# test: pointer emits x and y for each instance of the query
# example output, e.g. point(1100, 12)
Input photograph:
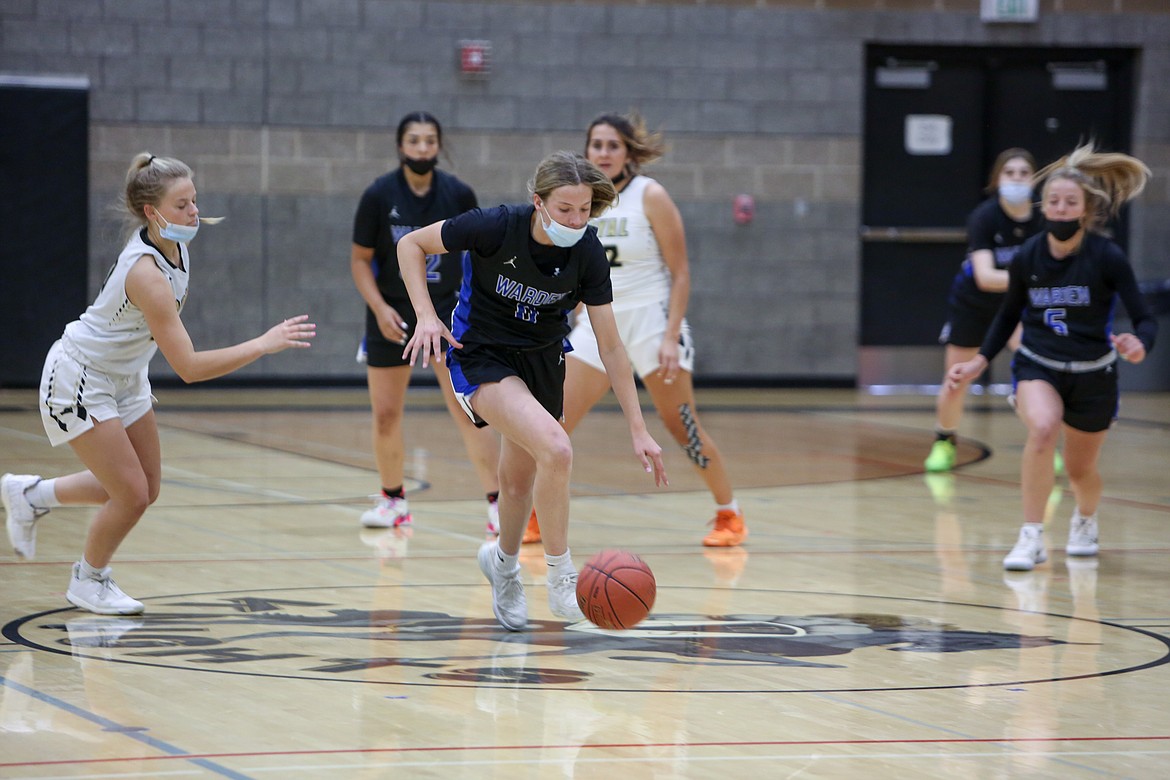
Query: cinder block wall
point(286, 109)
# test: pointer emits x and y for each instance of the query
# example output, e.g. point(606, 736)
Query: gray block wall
point(286, 110)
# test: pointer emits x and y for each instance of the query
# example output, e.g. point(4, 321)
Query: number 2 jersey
point(515, 292)
point(636, 269)
point(1068, 306)
point(389, 209)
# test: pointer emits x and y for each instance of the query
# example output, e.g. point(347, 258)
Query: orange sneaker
point(532, 532)
point(729, 530)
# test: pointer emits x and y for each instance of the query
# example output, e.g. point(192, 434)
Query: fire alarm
point(475, 58)
point(743, 209)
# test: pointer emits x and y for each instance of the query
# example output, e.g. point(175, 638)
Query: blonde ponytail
point(1109, 180)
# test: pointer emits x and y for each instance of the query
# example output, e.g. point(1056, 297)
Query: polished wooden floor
point(866, 628)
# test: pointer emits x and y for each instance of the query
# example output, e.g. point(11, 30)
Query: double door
point(935, 119)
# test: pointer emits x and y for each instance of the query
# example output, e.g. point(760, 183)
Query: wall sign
point(928, 134)
point(1009, 10)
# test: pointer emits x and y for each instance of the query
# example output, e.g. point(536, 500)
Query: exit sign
point(1010, 10)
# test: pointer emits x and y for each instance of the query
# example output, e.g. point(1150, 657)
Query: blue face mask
point(180, 233)
point(1016, 192)
point(559, 234)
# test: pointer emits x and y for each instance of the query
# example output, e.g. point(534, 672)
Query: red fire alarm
point(743, 209)
point(475, 58)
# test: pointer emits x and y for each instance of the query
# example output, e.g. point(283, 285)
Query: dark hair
point(1001, 160)
point(419, 117)
point(642, 146)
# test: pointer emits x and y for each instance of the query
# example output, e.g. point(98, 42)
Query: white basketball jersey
point(637, 272)
point(112, 335)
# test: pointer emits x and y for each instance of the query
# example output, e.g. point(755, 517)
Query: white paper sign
point(928, 134)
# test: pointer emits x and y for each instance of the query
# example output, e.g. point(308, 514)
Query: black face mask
point(1062, 229)
point(421, 167)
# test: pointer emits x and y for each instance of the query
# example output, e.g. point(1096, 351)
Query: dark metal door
point(923, 157)
point(935, 118)
point(44, 209)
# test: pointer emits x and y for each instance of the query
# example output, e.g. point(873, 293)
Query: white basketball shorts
point(73, 397)
point(641, 330)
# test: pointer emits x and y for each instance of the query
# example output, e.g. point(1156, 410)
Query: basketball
point(615, 589)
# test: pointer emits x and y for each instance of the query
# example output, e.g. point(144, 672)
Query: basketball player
point(995, 230)
point(529, 266)
point(644, 240)
point(95, 394)
point(414, 194)
point(1063, 287)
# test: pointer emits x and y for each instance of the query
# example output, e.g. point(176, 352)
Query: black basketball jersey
point(1068, 306)
point(990, 227)
point(516, 292)
point(389, 210)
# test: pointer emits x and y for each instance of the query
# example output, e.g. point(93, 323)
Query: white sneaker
point(1082, 535)
point(562, 597)
point(101, 596)
point(1028, 552)
point(508, 601)
point(387, 513)
point(22, 516)
point(493, 521)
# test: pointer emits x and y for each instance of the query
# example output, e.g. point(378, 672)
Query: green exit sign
point(1010, 10)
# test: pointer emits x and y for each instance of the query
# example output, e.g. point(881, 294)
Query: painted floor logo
point(845, 642)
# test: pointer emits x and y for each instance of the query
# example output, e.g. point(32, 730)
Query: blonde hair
point(568, 169)
point(1108, 179)
point(642, 146)
point(147, 181)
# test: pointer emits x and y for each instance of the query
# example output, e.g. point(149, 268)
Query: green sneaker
point(941, 457)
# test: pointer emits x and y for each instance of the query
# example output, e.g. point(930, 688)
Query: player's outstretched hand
point(650, 454)
point(427, 341)
point(293, 333)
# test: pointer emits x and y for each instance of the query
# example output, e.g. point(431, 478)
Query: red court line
point(281, 559)
point(595, 746)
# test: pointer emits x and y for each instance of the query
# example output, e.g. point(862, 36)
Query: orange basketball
point(615, 589)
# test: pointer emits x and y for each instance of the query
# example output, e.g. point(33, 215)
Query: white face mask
point(181, 233)
point(559, 234)
point(1016, 193)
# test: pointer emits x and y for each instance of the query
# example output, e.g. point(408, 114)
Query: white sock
point(88, 572)
point(43, 495)
point(559, 565)
point(507, 563)
point(733, 506)
point(1038, 527)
